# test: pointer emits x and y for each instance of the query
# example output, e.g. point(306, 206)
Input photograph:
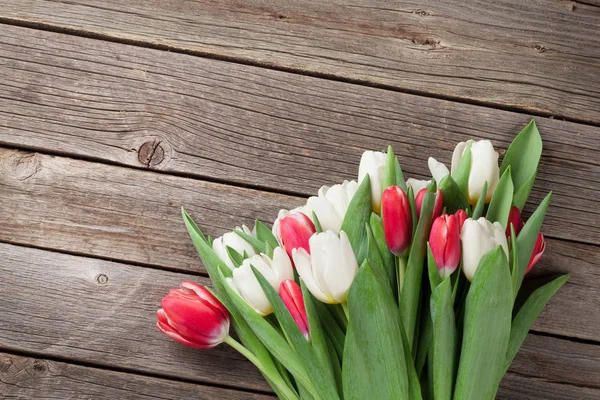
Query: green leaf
point(374, 366)
point(411, 288)
point(376, 261)
point(269, 250)
point(256, 244)
point(478, 210)
point(425, 335)
point(318, 339)
point(413, 208)
point(235, 257)
point(376, 225)
point(486, 331)
point(528, 313)
point(269, 337)
point(501, 200)
point(265, 235)
point(515, 272)
point(331, 327)
point(414, 385)
point(392, 173)
point(444, 340)
point(463, 170)
point(319, 373)
point(434, 274)
point(317, 223)
point(523, 156)
point(528, 236)
point(454, 199)
point(358, 214)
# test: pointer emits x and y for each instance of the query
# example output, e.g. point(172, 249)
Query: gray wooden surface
point(113, 115)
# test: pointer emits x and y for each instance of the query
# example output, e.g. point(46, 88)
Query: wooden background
point(114, 114)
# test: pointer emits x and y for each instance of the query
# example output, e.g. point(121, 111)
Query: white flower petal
point(302, 261)
point(438, 170)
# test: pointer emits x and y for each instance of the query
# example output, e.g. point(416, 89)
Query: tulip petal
point(302, 261)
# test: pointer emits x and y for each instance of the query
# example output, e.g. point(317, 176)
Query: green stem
point(277, 380)
point(401, 262)
point(342, 315)
point(346, 312)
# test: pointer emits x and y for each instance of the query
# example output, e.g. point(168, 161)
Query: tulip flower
point(444, 240)
point(373, 164)
point(293, 231)
point(233, 240)
point(484, 168)
point(331, 204)
point(291, 295)
point(437, 207)
point(329, 269)
point(461, 216)
point(514, 219)
point(397, 219)
point(275, 270)
point(417, 185)
point(437, 169)
point(538, 250)
point(193, 316)
point(479, 237)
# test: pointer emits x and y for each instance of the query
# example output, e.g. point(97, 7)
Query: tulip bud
point(293, 231)
point(479, 237)
point(437, 169)
point(373, 164)
point(329, 269)
point(233, 240)
point(461, 217)
point(439, 202)
point(275, 270)
point(397, 219)
point(417, 185)
point(538, 250)
point(291, 295)
point(514, 219)
point(331, 204)
point(444, 241)
point(193, 316)
point(484, 168)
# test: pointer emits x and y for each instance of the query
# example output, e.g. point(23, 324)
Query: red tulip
point(193, 316)
point(461, 216)
point(514, 219)
point(291, 295)
point(444, 241)
point(437, 208)
point(397, 219)
point(293, 232)
point(538, 250)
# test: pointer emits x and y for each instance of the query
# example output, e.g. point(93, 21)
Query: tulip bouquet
point(381, 288)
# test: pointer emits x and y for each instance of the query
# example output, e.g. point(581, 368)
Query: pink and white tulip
point(444, 241)
point(193, 316)
point(291, 295)
point(397, 219)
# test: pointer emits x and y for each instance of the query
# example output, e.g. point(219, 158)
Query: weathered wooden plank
point(517, 387)
point(134, 216)
point(258, 127)
point(38, 378)
point(540, 56)
point(102, 313)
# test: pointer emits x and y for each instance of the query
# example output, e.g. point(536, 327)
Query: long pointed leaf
point(454, 198)
point(444, 340)
point(501, 200)
point(358, 214)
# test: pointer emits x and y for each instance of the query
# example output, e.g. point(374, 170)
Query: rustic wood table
point(114, 114)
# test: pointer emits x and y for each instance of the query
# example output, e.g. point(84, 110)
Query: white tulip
point(274, 270)
point(329, 269)
point(331, 204)
point(373, 163)
point(417, 185)
point(477, 238)
point(437, 169)
point(484, 167)
point(234, 241)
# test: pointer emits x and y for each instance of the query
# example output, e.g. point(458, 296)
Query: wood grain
point(134, 216)
point(38, 378)
point(517, 387)
point(55, 305)
point(540, 56)
point(256, 127)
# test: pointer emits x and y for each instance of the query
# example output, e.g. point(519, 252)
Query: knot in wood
point(101, 279)
point(151, 153)
point(540, 48)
